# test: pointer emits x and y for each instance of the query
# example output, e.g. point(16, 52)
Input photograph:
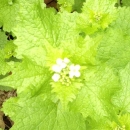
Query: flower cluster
point(65, 71)
point(97, 16)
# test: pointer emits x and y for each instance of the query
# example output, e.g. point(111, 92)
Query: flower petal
point(71, 74)
point(56, 77)
point(63, 65)
point(56, 68)
point(77, 67)
point(77, 74)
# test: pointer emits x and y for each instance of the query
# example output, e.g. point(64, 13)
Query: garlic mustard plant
point(65, 71)
point(71, 71)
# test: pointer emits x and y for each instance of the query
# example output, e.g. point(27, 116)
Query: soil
point(51, 3)
point(5, 121)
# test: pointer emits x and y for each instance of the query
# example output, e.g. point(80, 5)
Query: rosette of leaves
point(43, 36)
point(96, 15)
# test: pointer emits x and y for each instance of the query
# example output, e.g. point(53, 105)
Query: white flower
point(56, 68)
point(56, 77)
point(74, 71)
point(63, 65)
point(60, 64)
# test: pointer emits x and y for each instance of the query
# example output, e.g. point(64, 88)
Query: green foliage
point(9, 10)
point(116, 50)
point(126, 2)
point(96, 15)
point(95, 96)
point(70, 5)
point(70, 68)
point(121, 99)
point(78, 5)
point(3, 39)
point(44, 114)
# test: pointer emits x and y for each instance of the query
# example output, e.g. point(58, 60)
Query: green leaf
point(9, 49)
point(94, 99)
point(3, 39)
point(122, 21)
point(65, 93)
point(25, 74)
point(46, 26)
point(103, 124)
point(84, 49)
point(124, 122)
point(40, 113)
point(78, 5)
point(5, 68)
point(109, 125)
point(122, 98)
point(5, 88)
point(8, 11)
point(102, 5)
point(115, 52)
point(126, 2)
